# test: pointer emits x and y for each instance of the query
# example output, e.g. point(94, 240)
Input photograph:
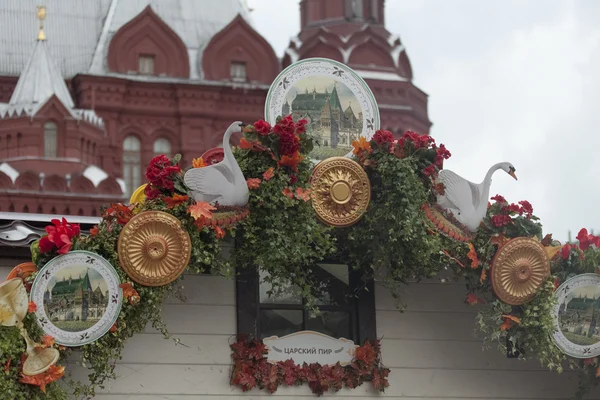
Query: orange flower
point(473, 256)
point(94, 230)
point(268, 174)
point(499, 240)
point(53, 373)
point(288, 193)
point(302, 194)
point(176, 200)
point(47, 341)
point(198, 162)
point(201, 209)
point(361, 145)
point(292, 161)
point(32, 307)
point(220, 232)
point(253, 183)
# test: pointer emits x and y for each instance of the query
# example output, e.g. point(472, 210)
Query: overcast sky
point(508, 80)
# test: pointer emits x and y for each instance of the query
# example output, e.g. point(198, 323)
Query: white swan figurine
point(222, 183)
point(468, 201)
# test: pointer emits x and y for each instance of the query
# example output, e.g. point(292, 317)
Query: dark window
point(346, 304)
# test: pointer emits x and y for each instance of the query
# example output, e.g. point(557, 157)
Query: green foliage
point(392, 241)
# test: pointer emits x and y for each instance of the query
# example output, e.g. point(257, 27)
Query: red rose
point(262, 127)
point(59, 236)
point(382, 136)
point(289, 144)
point(285, 125)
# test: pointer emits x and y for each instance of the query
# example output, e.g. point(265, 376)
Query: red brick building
point(108, 84)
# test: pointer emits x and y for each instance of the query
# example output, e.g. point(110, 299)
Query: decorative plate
point(577, 316)
point(153, 248)
point(78, 297)
point(341, 191)
point(213, 156)
point(139, 195)
point(337, 103)
point(518, 270)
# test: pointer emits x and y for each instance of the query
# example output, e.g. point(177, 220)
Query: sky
point(508, 80)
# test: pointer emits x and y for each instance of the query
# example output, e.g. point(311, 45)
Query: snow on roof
point(380, 75)
point(95, 174)
point(121, 183)
point(12, 173)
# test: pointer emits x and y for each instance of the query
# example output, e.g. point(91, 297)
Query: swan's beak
point(512, 173)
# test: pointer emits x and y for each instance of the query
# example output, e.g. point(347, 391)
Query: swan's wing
point(209, 181)
point(462, 194)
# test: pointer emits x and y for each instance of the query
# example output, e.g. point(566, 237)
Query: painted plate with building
point(577, 316)
point(78, 298)
point(337, 103)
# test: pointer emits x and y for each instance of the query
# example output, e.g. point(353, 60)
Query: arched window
point(50, 138)
point(131, 163)
point(162, 146)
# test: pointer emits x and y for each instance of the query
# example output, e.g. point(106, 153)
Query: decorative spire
point(41, 16)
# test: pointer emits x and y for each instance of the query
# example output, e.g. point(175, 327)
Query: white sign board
point(310, 347)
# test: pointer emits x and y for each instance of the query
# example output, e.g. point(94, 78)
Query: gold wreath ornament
point(153, 248)
point(341, 191)
point(139, 196)
point(13, 309)
point(518, 270)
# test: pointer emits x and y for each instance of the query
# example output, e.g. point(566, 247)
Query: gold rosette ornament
point(153, 248)
point(519, 269)
point(341, 191)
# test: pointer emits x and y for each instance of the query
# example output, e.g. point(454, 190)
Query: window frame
point(362, 310)
point(50, 150)
point(236, 66)
point(132, 165)
point(145, 61)
point(158, 142)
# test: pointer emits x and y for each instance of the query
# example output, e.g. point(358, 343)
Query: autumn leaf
point(47, 341)
point(288, 193)
point(53, 373)
point(499, 240)
point(473, 299)
point(473, 256)
point(94, 230)
point(292, 161)
point(453, 258)
point(201, 209)
point(32, 307)
point(302, 194)
point(113, 328)
point(268, 174)
point(176, 200)
point(483, 276)
point(198, 162)
point(128, 290)
point(253, 183)
point(245, 144)
point(512, 318)
point(589, 361)
point(508, 319)
point(505, 325)
point(360, 145)
point(547, 240)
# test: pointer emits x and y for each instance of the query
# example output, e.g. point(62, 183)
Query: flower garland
point(279, 235)
point(251, 369)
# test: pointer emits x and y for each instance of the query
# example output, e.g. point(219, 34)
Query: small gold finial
point(41, 16)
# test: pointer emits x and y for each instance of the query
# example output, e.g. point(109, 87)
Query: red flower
point(382, 136)
point(526, 208)
point(151, 192)
point(262, 127)
point(32, 307)
point(293, 179)
point(160, 172)
point(499, 199)
point(301, 126)
point(501, 220)
point(586, 240)
point(59, 236)
point(285, 125)
point(511, 208)
point(253, 183)
point(429, 170)
point(556, 283)
point(565, 251)
point(288, 143)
